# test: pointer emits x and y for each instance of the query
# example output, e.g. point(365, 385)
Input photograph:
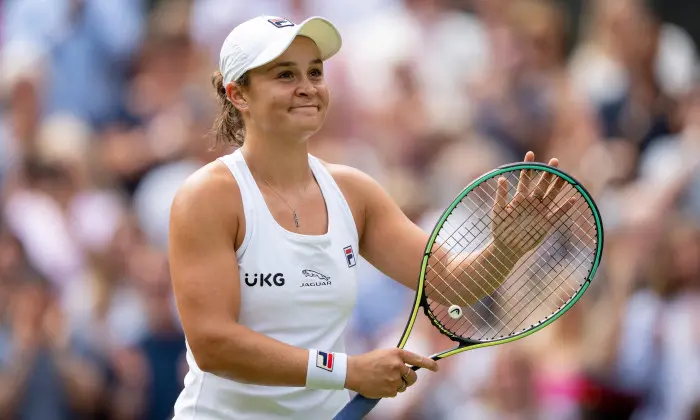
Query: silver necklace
point(294, 211)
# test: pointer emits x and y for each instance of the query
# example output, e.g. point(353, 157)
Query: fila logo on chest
point(349, 256)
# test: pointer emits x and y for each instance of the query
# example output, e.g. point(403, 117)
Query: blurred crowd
point(106, 106)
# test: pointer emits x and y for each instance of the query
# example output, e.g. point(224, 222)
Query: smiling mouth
point(304, 107)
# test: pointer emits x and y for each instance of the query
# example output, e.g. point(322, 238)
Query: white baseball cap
point(261, 40)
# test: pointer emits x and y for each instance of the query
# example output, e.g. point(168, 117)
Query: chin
point(306, 127)
point(306, 132)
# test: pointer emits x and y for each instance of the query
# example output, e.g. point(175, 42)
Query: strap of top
point(236, 164)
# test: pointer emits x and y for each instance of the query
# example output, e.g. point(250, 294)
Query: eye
point(285, 75)
point(316, 73)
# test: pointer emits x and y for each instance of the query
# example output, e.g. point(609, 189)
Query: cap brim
point(318, 29)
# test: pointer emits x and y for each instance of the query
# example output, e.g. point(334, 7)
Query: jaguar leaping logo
point(312, 273)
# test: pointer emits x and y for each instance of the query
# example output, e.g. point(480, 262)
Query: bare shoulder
point(361, 191)
point(210, 197)
point(351, 180)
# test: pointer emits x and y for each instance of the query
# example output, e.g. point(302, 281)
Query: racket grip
point(357, 408)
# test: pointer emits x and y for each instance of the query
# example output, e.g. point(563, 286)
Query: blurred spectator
point(89, 44)
point(417, 48)
point(509, 393)
point(38, 358)
point(660, 346)
point(527, 101)
point(150, 372)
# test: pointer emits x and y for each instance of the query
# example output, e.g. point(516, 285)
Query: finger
point(410, 377)
point(417, 360)
point(499, 203)
point(558, 217)
point(553, 162)
point(556, 187)
point(561, 211)
point(543, 184)
point(525, 176)
point(545, 180)
point(403, 386)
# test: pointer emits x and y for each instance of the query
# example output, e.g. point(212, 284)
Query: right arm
point(203, 227)
point(204, 223)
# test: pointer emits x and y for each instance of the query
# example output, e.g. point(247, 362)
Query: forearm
point(469, 277)
point(241, 354)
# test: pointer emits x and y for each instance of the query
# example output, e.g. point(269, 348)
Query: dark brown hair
point(229, 127)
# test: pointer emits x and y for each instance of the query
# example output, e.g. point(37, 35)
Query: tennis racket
point(554, 229)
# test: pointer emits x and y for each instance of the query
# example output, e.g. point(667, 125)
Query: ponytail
point(229, 127)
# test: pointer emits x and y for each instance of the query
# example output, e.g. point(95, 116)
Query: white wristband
point(326, 370)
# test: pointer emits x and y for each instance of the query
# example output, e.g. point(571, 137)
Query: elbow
point(209, 349)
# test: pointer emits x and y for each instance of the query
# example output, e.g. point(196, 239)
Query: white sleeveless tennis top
point(298, 289)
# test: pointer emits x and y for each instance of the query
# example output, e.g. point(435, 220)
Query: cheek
point(262, 108)
point(323, 94)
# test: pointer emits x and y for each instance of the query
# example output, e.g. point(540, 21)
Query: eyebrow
point(292, 64)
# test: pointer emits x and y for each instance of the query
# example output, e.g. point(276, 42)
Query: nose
point(306, 88)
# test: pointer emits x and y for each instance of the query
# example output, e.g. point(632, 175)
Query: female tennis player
point(264, 244)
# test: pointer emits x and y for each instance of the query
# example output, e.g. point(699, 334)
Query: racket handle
point(357, 408)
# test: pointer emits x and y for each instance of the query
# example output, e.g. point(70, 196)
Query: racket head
point(578, 241)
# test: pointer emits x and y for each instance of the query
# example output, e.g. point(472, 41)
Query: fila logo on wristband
point(326, 370)
point(325, 361)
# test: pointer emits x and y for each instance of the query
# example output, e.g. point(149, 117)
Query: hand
point(384, 373)
point(521, 225)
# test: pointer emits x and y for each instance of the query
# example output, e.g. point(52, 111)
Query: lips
point(304, 106)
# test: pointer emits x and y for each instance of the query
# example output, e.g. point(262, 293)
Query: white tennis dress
point(298, 289)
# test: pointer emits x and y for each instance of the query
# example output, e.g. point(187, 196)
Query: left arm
point(393, 244)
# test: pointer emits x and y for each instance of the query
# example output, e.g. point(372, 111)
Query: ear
point(238, 98)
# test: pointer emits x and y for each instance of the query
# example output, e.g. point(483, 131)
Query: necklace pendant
point(296, 219)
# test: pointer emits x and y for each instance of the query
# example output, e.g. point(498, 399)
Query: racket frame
point(420, 299)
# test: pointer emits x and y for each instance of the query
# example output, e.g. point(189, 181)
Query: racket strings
point(445, 267)
point(503, 324)
point(450, 261)
point(539, 282)
point(481, 230)
point(466, 219)
point(524, 306)
point(547, 285)
point(495, 301)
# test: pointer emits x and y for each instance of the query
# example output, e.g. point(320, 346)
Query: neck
point(281, 162)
